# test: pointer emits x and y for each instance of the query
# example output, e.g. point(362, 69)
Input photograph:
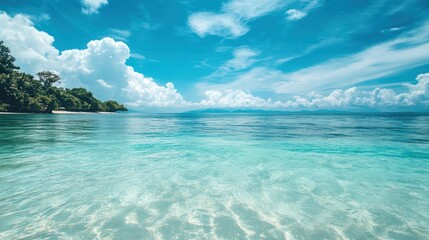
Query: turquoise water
point(214, 176)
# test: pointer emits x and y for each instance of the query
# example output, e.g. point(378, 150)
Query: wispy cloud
point(118, 34)
point(231, 21)
point(256, 79)
point(149, 26)
point(409, 50)
point(249, 9)
point(243, 59)
point(40, 17)
point(393, 29)
point(295, 14)
point(92, 6)
point(310, 49)
point(224, 25)
point(137, 56)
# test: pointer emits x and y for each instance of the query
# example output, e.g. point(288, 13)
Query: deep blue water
point(214, 176)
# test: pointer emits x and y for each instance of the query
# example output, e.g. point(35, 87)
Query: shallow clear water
point(214, 176)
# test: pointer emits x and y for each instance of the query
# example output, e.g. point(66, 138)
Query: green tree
point(113, 106)
point(20, 92)
point(48, 78)
point(6, 60)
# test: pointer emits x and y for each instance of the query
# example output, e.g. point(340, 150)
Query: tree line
point(22, 92)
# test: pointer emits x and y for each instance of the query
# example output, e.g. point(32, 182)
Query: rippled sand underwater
point(214, 176)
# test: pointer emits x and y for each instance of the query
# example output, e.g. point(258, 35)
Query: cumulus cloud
point(32, 48)
point(101, 66)
point(106, 59)
point(143, 91)
point(231, 21)
point(235, 99)
point(92, 6)
point(415, 95)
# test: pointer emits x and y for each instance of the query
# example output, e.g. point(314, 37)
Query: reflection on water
point(214, 176)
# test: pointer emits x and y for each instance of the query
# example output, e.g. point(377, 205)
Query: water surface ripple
point(214, 176)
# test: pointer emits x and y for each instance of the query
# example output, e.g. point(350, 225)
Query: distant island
point(21, 92)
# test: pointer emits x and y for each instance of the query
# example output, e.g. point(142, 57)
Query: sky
point(179, 55)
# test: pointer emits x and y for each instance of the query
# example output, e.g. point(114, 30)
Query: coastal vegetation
point(22, 92)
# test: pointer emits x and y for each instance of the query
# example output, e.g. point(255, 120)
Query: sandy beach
point(71, 112)
point(60, 112)
point(8, 113)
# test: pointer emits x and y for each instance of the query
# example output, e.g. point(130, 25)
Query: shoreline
point(71, 112)
point(57, 112)
point(11, 113)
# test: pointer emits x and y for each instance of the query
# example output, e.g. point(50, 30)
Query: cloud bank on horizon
point(387, 73)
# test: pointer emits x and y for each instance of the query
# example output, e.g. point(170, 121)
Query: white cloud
point(101, 67)
point(92, 6)
point(416, 95)
point(255, 79)
point(234, 99)
point(231, 21)
point(102, 83)
point(310, 49)
point(225, 25)
point(294, 14)
point(243, 59)
point(143, 91)
point(118, 34)
point(248, 9)
point(137, 56)
point(40, 17)
point(407, 51)
point(32, 48)
point(106, 59)
point(393, 29)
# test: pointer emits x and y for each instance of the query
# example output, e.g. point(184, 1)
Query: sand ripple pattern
point(214, 176)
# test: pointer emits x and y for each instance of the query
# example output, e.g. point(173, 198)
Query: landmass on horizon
point(20, 92)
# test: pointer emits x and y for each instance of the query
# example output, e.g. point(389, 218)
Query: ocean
point(214, 176)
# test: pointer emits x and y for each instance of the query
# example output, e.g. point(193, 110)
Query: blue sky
point(267, 54)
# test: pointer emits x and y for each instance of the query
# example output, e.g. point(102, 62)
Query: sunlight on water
point(214, 176)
